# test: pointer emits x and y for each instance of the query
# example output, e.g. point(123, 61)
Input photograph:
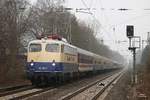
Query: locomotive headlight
point(31, 64)
point(53, 64)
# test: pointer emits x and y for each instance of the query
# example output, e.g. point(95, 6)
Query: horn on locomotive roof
point(54, 37)
point(57, 37)
point(51, 36)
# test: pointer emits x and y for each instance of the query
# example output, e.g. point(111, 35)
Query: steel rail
point(24, 94)
point(73, 94)
point(15, 90)
point(9, 88)
point(105, 87)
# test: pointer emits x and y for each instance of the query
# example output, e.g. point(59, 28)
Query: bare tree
point(49, 17)
point(12, 24)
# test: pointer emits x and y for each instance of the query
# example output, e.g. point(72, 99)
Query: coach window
point(35, 48)
point(52, 47)
point(69, 50)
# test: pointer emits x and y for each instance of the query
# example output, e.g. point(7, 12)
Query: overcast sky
point(112, 22)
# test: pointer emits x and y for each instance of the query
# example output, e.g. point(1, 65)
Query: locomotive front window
point(52, 47)
point(35, 48)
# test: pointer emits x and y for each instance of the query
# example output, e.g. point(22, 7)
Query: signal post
point(132, 47)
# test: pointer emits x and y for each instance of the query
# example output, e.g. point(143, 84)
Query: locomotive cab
point(48, 57)
point(41, 55)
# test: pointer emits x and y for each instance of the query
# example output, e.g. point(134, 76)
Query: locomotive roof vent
point(57, 37)
point(53, 37)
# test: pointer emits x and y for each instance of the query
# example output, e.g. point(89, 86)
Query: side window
point(52, 47)
point(35, 48)
point(70, 50)
point(85, 59)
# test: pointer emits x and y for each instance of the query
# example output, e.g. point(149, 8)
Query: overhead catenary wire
point(104, 28)
point(130, 19)
point(95, 18)
point(107, 19)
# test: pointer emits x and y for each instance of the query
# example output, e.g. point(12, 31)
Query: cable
point(106, 18)
point(95, 18)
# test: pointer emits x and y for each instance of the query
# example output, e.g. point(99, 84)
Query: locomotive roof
point(45, 41)
point(51, 41)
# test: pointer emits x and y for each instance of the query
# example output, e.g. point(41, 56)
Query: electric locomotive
point(50, 57)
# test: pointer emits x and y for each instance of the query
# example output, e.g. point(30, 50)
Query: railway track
point(14, 89)
point(93, 90)
point(89, 92)
point(22, 93)
point(9, 88)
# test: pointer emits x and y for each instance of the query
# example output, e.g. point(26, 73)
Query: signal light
point(31, 64)
point(130, 31)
